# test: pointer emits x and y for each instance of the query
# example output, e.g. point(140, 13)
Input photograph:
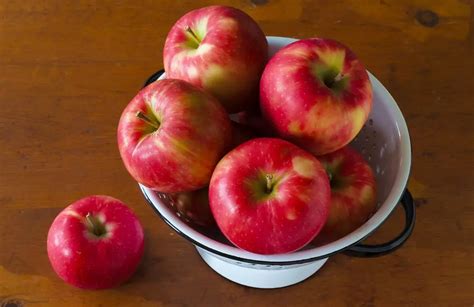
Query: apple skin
point(353, 193)
point(316, 94)
point(280, 218)
point(228, 60)
point(86, 260)
point(194, 133)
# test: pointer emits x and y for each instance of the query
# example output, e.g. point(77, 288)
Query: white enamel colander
point(385, 144)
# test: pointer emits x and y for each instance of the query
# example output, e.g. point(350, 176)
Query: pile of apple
point(256, 145)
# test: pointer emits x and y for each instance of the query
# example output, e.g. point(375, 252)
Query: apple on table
point(95, 243)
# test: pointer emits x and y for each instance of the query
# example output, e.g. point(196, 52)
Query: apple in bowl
point(171, 135)
point(220, 49)
point(316, 93)
point(269, 196)
point(353, 193)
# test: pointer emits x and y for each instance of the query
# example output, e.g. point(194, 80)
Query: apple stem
point(92, 225)
point(338, 77)
point(269, 178)
point(329, 176)
point(146, 119)
point(331, 82)
point(193, 35)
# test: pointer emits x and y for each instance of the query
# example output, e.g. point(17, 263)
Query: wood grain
point(69, 67)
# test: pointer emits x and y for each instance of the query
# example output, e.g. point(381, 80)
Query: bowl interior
point(383, 141)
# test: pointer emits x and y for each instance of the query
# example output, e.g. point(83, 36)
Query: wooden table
point(69, 68)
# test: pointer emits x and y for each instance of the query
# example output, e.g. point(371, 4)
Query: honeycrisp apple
point(171, 135)
point(220, 49)
point(95, 243)
point(269, 196)
point(353, 193)
point(316, 93)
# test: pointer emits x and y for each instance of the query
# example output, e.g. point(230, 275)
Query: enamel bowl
point(385, 144)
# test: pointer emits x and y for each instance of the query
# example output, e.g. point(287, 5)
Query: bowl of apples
point(269, 154)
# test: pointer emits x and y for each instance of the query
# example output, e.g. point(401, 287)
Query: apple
point(316, 93)
point(269, 196)
point(193, 207)
point(95, 243)
point(171, 135)
point(353, 193)
point(220, 49)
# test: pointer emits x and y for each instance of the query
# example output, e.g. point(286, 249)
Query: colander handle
point(154, 77)
point(365, 250)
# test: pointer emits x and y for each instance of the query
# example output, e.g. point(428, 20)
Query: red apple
point(193, 207)
point(316, 93)
point(171, 135)
point(220, 49)
point(95, 243)
point(353, 193)
point(269, 196)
